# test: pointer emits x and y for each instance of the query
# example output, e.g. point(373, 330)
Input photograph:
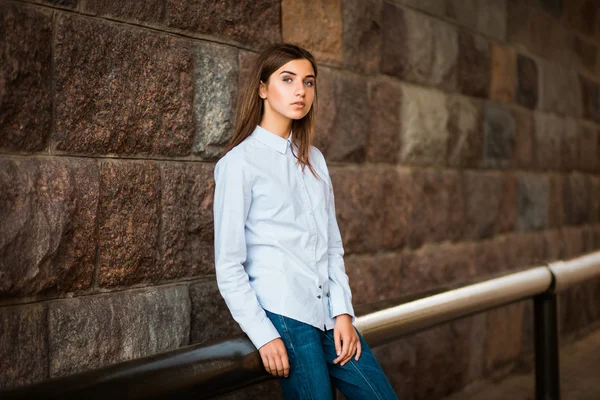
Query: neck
point(278, 124)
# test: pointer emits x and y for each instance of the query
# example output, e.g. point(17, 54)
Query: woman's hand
point(346, 339)
point(274, 357)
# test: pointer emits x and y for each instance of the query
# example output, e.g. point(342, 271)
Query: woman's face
point(290, 90)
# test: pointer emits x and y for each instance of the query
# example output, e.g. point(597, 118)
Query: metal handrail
point(205, 371)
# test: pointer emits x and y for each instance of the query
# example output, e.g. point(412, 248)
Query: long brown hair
point(249, 108)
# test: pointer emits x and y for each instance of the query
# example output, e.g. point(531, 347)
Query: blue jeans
point(311, 352)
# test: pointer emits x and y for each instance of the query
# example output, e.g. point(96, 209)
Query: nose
point(300, 89)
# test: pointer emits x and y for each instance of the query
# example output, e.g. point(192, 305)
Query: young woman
point(278, 250)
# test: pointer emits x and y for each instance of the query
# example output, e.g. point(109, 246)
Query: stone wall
point(463, 139)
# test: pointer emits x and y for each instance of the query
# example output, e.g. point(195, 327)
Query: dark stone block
point(385, 99)
point(48, 212)
point(490, 203)
point(361, 40)
point(591, 99)
point(532, 202)
point(128, 223)
point(394, 49)
point(583, 53)
point(576, 199)
point(553, 7)
point(149, 12)
point(89, 332)
point(342, 127)
point(397, 360)
point(121, 90)
point(465, 132)
point(438, 211)
point(211, 319)
point(474, 65)
point(250, 22)
point(527, 82)
point(556, 211)
point(187, 230)
point(548, 141)
point(23, 345)
point(581, 15)
point(504, 338)
point(589, 146)
point(499, 132)
point(570, 157)
point(25, 83)
point(524, 139)
point(373, 207)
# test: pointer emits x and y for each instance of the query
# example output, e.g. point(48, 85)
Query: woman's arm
point(233, 195)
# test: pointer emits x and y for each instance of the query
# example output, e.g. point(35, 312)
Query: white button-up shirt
point(277, 242)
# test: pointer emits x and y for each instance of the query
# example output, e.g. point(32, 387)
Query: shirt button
point(319, 296)
point(301, 186)
point(309, 212)
point(319, 286)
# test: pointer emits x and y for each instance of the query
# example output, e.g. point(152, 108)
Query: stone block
point(424, 126)
point(591, 99)
point(490, 257)
point(26, 71)
point(570, 157)
point(68, 4)
point(589, 147)
point(210, 317)
point(554, 245)
point(397, 360)
point(583, 53)
point(560, 90)
point(499, 129)
point(524, 139)
point(556, 209)
point(361, 35)
point(23, 345)
point(576, 198)
point(524, 250)
point(151, 12)
point(250, 22)
point(378, 277)
point(418, 48)
point(594, 196)
point(490, 199)
point(385, 99)
point(504, 74)
point(128, 220)
point(527, 82)
point(120, 89)
point(439, 265)
point(574, 245)
point(548, 141)
point(442, 360)
point(89, 332)
point(532, 202)
point(373, 206)
point(216, 73)
point(435, 7)
point(186, 220)
point(465, 132)
point(323, 39)
point(504, 338)
point(48, 212)
point(342, 127)
point(474, 65)
point(582, 15)
point(552, 7)
point(438, 211)
point(484, 16)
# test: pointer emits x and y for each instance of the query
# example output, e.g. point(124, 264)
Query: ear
point(262, 90)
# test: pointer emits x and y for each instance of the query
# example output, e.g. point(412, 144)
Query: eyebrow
point(292, 73)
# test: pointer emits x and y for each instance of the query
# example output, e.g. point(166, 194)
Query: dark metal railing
point(206, 371)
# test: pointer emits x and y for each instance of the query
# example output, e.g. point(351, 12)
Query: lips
point(299, 103)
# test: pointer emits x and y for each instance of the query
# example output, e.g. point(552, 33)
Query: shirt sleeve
point(232, 200)
point(340, 294)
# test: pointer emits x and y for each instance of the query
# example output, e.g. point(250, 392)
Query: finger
point(350, 352)
point(286, 365)
point(338, 346)
point(272, 366)
point(279, 366)
point(345, 348)
point(265, 361)
point(358, 350)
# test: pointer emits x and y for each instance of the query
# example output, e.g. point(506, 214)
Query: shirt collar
point(271, 139)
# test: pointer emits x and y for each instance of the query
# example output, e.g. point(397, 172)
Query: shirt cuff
point(263, 333)
point(342, 306)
